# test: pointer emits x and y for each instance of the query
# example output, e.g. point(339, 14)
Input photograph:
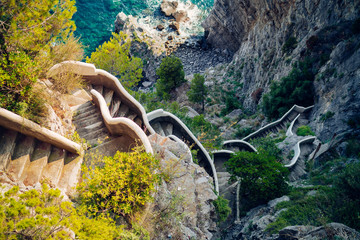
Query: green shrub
point(353, 148)
point(326, 116)
point(296, 88)
point(222, 208)
point(242, 132)
point(289, 45)
point(262, 178)
point(231, 102)
point(114, 57)
point(171, 75)
point(42, 214)
point(268, 144)
point(119, 185)
point(198, 90)
point(304, 130)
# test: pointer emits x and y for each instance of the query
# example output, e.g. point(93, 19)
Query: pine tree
point(198, 91)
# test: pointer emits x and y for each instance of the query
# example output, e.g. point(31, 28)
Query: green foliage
point(243, 132)
point(296, 88)
point(198, 91)
point(171, 75)
point(326, 116)
point(231, 103)
point(32, 33)
point(289, 45)
point(353, 148)
point(339, 203)
point(114, 57)
point(304, 130)
point(268, 144)
point(121, 185)
point(262, 177)
point(222, 208)
point(42, 214)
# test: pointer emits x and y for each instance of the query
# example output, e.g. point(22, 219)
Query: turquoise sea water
point(95, 18)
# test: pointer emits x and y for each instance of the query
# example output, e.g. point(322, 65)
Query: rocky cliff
point(259, 31)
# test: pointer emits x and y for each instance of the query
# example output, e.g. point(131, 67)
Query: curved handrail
point(102, 77)
point(296, 108)
point(17, 123)
point(120, 125)
point(289, 132)
point(297, 150)
point(246, 145)
point(161, 113)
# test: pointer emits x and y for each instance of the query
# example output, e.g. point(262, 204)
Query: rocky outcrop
point(191, 184)
point(257, 31)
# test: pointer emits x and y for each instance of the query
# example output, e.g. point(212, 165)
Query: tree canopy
point(262, 177)
point(114, 56)
point(171, 75)
point(198, 91)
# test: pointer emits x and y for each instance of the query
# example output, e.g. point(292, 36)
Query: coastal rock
point(168, 7)
point(189, 182)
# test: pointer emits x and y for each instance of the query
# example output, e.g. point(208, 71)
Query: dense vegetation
point(171, 75)
point(34, 36)
point(114, 56)
point(261, 176)
point(296, 88)
point(198, 90)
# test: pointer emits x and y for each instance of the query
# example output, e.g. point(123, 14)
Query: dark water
point(95, 18)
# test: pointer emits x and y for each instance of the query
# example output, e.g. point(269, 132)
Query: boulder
point(180, 16)
point(168, 7)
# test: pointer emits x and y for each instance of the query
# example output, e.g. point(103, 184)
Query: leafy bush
point(296, 88)
point(243, 132)
point(304, 130)
point(326, 116)
point(353, 148)
point(114, 56)
point(31, 40)
point(222, 208)
point(289, 45)
point(171, 75)
point(198, 91)
point(268, 144)
point(120, 185)
point(231, 102)
point(42, 214)
point(262, 178)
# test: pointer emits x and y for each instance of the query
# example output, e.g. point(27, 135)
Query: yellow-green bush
point(119, 185)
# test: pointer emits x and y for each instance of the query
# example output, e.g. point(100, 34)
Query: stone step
point(91, 111)
point(124, 109)
point(115, 105)
point(223, 175)
point(53, 169)
point(228, 191)
point(7, 143)
point(169, 128)
point(90, 128)
point(157, 127)
point(131, 115)
point(88, 121)
point(138, 121)
point(39, 159)
point(20, 159)
point(70, 172)
point(98, 88)
point(96, 134)
point(83, 108)
point(108, 95)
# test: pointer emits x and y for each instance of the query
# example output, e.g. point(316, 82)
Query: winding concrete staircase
point(113, 119)
point(279, 124)
point(167, 124)
point(30, 153)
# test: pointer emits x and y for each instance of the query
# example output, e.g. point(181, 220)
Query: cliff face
point(257, 31)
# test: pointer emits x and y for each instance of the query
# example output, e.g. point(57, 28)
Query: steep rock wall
point(257, 31)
